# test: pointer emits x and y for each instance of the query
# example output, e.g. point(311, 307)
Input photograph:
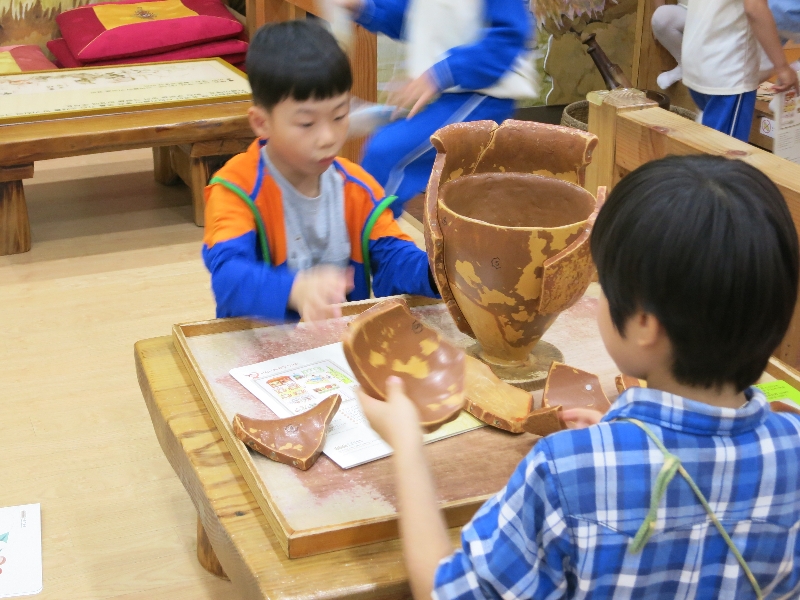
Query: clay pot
point(507, 230)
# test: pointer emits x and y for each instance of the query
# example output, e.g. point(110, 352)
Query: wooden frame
point(320, 539)
point(363, 58)
point(633, 131)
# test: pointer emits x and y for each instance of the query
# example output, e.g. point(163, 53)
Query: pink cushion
point(127, 28)
point(23, 59)
point(230, 50)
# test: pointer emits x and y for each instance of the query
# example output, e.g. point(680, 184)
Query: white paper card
point(20, 550)
point(293, 384)
point(786, 108)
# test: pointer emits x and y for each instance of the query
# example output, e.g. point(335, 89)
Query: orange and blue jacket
point(244, 246)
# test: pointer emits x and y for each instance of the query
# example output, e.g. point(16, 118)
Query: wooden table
point(188, 142)
point(244, 546)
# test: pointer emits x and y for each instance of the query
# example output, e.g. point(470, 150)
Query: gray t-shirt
point(316, 231)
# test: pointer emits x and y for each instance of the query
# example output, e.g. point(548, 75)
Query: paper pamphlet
point(20, 550)
point(293, 384)
point(779, 390)
point(785, 107)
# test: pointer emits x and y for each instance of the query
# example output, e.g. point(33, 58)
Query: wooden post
point(604, 107)
point(163, 172)
point(15, 228)
point(205, 553)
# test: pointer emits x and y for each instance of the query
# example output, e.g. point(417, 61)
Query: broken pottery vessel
point(388, 340)
point(295, 441)
point(507, 232)
point(569, 387)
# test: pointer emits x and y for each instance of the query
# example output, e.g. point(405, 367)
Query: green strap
point(672, 465)
point(262, 232)
point(365, 235)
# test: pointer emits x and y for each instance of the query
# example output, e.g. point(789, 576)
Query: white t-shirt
point(720, 54)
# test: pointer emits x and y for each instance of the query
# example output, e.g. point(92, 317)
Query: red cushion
point(129, 28)
point(23, 59)
point(230, 50)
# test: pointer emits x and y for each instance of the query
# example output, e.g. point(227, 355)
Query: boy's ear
point(644, 329)
point(259, 119)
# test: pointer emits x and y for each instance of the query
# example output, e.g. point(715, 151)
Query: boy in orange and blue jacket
point(290, 228)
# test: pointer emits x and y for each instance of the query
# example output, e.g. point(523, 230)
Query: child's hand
point(415, 94)
point(395, 420)
point(581, 417)
point(786, 80)
point(317, 291)
point(353, 6)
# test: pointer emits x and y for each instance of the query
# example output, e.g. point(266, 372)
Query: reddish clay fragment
point(781, 406)
point(295, 441)
point(623, 382)
point(388, 340)
point(572, 388)
point(493, 401)
point(544, 421)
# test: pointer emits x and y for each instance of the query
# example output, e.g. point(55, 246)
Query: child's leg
point(729, 114)
point(668, 23)
point(400, 156)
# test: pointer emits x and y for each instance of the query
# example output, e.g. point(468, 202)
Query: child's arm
point(480, 65)
point(379, 16)
point(399, 267)
point(763, 24)
point(518, 543)
point(422, 528)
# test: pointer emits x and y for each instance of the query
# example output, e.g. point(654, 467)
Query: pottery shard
point(493, 401)
point(295, 441)
point(781, 406)
point(388, 340)
point(624, 382)
point(569, 387)
point(544, 421)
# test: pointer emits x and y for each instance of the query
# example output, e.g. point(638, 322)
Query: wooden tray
point(327, 508)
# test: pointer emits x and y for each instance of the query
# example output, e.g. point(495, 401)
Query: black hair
point(298, 59)
point(708, 246)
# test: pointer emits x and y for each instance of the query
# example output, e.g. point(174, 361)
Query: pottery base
point(529, 377)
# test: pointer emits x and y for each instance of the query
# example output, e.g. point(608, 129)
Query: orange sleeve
point(227, 216)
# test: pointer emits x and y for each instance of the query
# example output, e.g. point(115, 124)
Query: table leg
point(163, 172)
point(15, 228)
point(205, 553)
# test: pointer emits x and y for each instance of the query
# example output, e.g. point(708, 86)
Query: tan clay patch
point(416, 367)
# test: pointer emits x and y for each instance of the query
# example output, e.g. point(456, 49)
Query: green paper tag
point(779, 390)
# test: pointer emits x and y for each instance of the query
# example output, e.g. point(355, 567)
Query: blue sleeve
point(516, 544)
point(243, 285)
point(482, 64)
point(384, 16)
point(399, 267)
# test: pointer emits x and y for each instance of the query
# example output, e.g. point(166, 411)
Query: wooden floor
point(115, 259)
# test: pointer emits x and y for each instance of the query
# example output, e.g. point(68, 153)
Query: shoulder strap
point(261, 229)
point(366, 233)
point(672, 465)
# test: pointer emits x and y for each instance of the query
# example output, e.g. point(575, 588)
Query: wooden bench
point(189, 143)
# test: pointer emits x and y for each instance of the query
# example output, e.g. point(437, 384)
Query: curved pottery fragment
point(569, 387)
point(388, 340)
point(624, 382)
point(507, 230)
point(295, 441)
point(493, 401)
point(781, 406)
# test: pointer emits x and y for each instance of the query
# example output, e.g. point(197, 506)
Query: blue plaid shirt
point(562, 525)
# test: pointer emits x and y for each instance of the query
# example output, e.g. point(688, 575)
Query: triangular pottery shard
point(624, 382)
point(295, 441)
point(388, 340)
point(493, 401)
point(781, 406)
point(569, 387)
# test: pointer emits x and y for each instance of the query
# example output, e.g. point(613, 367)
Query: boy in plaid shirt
point(689, 488)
